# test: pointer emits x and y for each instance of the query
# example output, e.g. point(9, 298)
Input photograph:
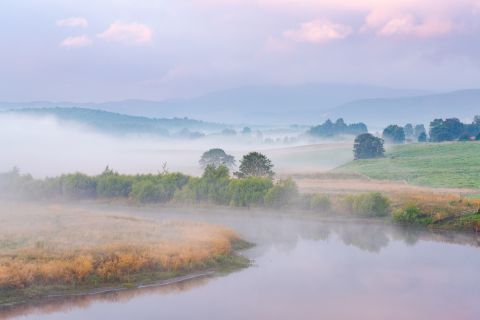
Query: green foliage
point(216, 158)
point(372, 204)
point(422, 137)
point(394, 134)
point(255, 164)
point(112, 184)
point(367, 146)
point(148, 191)
point(248, 191)
point(330, 129)
point(450, 165)
point(411, 214)
point(283, 194)
point(320, 202)
point(453, 129)
point(78, 186)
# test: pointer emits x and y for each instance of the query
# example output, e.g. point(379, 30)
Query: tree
point(394, 134)
point(255, 164)
point(367, 146)
point(330, 129)
point(477, 137)
point(464, 137)
point(446, 130)
point(216, 158)
point(229, 132)
point(246, 130)
point(409, 131)
point(419, 129)
point(422, 137)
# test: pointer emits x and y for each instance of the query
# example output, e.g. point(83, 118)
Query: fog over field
point(42, 146)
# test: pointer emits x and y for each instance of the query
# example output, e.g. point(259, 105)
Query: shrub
point(148, 191)
point(248, 191)
point(78, 185)
point(411, 214)
point(284, 193)
point(114, 185)
point(320, 202)
point(372, 204)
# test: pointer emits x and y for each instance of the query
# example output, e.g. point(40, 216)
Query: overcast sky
point(118, 49)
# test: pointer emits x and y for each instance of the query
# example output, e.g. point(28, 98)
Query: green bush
point(114, 185)
point(148, 191)
point(283, 194)
point(411, 214)
point(372, 204)
point(78, 186)
point(320, 202)
point(248, 191)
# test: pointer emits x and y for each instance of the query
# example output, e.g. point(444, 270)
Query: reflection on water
point(306, 268)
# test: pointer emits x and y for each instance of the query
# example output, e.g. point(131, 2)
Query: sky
point(94, 51)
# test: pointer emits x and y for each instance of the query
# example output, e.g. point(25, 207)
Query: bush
point(78, 186)
point(320, 202)
point(372, 204)
point(283, 194)
point(148, 191)
point(410, 215)
point(248, 191)
point(114, 185)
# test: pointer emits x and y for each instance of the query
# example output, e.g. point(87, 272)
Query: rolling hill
point(117, 123)
point(264, 105)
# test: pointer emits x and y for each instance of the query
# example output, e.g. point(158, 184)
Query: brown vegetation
point(45, 245)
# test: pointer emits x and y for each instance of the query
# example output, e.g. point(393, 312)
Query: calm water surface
point(305, 268)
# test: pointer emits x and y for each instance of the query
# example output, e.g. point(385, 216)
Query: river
point(303, 268)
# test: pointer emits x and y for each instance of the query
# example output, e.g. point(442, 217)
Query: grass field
point(47, 249)
point(440, 165)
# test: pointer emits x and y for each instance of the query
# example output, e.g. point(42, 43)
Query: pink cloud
point(127, 33)
point(79, 41)
point(388, 23)
point(73, 22)
point(318, 31)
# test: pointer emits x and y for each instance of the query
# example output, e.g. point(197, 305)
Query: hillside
point(269, 105)
point(464, 104)
point(448, 165)
point(120, 123)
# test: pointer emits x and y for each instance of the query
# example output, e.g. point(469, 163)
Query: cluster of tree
point(339, 127)
point(452, 129)
point(397, 134)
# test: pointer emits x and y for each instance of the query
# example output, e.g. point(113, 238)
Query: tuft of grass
point(450, 165)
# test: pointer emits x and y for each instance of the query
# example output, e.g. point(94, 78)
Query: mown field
point(440, 165)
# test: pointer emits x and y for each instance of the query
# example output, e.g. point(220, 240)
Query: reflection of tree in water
point(66, 304)
point(365, 237)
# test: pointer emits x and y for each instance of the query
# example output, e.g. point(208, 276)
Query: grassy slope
point(454, 165)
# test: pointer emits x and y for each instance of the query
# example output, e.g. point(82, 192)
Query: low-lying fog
point(42, 146)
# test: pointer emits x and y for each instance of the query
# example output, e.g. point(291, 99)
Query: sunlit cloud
point(79, 41)
point(127, 33)
point(388, 24)
point(73, 22)
point(318, 31)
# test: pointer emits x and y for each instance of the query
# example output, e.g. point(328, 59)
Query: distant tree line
point(339, 127)
point(450, 129)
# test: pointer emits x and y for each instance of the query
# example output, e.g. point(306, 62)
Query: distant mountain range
point(463, 104)
point(306, 104)
point(264, 105)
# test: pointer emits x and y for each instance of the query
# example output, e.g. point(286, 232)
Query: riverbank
point(55, 250)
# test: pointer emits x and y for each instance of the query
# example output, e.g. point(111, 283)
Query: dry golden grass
point(41, 245)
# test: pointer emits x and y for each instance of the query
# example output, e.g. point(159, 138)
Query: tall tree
point(217, 157)
point(255, 164)
point(367, 146)
point(394, 134)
